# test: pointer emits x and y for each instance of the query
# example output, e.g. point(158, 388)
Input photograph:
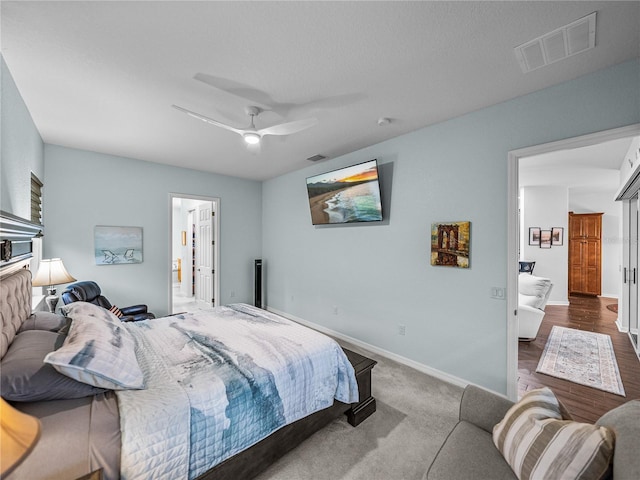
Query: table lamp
point(51, 272)
point(19, 433)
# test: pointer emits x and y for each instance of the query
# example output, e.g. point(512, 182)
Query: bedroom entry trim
point(216, 243)
point(513, 159)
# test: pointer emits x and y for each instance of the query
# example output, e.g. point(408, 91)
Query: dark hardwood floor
point(585, 404)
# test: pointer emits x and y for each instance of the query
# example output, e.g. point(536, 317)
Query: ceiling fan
point(251, 134)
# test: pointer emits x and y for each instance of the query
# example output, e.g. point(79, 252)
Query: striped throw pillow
point(538, 444)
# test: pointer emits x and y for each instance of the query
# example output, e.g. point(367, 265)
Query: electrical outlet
point(402, 329)
point(232, 294)
point(335, 310)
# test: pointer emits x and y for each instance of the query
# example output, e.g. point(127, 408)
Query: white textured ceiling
point(591, 169)
point(102, 76)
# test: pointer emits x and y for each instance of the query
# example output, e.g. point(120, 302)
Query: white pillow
point(98, 351)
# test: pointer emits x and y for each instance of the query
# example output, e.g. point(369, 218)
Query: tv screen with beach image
point(347, 195)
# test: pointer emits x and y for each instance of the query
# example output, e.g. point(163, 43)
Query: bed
point(129, 419)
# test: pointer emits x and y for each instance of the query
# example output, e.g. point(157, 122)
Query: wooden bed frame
point(17, 233)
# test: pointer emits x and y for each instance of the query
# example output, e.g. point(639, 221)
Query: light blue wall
point(21, 149)
point(379, 276)
point(85, 189)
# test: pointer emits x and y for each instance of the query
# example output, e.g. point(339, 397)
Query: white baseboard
point(564, 303)
point(380, 351)
point(620, 327)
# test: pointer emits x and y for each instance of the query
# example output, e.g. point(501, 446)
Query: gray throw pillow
point(26, 378)
point(43, 321)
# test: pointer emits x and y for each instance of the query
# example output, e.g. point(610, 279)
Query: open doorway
point(517, 236)
point(194, 253)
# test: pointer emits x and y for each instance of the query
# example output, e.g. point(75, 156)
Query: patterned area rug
point(613, 307)
point(581, 357)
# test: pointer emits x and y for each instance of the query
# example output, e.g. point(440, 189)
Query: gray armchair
point(468, 453)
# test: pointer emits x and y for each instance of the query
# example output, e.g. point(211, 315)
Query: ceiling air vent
point(564, 42)
point(316, 158)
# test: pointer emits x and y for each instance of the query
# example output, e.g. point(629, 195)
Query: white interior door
point(632, 276)
point(204, 254)
point(628, 304)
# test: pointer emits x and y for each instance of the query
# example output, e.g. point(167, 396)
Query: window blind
point(36, 200)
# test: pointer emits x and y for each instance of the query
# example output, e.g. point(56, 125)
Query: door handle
point(634, 275)
point(624, 275)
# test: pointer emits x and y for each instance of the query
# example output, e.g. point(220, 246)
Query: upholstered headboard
point(15, 305)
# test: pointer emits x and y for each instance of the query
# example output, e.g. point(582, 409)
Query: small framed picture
point(534, 235)
point(557, 236)
point(450, 244)
point(545, 238)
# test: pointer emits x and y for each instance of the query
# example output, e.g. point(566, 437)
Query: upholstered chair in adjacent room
point(533, 294)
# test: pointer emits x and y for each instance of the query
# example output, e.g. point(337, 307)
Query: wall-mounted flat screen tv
point(348, 195)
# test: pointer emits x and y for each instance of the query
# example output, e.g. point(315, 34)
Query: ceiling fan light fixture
point(251, 138)
point(251, 135)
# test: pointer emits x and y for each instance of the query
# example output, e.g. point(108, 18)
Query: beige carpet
point(398, 442)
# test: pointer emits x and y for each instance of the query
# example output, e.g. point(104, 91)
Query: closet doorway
point(194, 253)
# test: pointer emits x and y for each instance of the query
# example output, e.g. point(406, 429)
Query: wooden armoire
point(585, 253)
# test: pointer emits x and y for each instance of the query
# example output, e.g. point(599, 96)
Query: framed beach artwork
point(545, 238)
point(450, 243)
point(117, 245)
point(557, 236)
point(534, 236)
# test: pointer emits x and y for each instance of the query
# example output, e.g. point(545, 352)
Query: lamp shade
point(19, 433)
point(51, 272)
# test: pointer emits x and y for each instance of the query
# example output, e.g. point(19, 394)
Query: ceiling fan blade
point(327, 103)
point(241, 91)
point(288, 128)
point(208, 120)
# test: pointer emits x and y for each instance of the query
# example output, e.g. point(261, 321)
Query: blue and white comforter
point(220, 381)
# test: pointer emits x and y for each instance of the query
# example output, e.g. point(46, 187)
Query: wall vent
point(316, 158)
point(563, 42)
